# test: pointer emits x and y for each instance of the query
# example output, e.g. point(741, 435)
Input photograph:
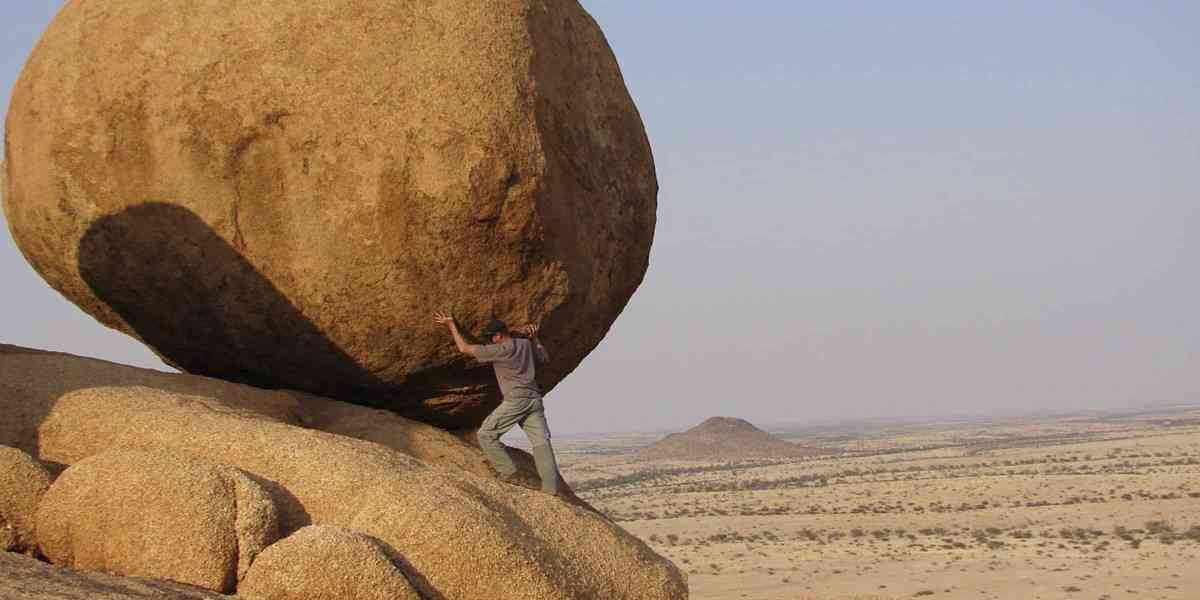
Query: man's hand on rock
point(447, 319)
point(530, 331)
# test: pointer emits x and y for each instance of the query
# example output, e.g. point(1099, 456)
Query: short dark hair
point(492, 328)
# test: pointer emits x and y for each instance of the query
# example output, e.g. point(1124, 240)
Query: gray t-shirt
point(513, 361)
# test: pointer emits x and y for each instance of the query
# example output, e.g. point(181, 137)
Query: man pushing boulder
point(513, 359)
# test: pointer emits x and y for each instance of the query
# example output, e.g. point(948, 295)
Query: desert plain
point(1098, 506)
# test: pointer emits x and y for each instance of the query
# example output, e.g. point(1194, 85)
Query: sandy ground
point(1091, 508)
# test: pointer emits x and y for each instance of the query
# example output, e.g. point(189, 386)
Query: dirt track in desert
point(1092, 507)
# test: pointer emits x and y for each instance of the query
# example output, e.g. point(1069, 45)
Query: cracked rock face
point(281, 193)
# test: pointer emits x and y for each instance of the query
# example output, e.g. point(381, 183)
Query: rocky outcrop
point(725, 438)
point(326, 563)
point(281, 193)
point(163, 515)
point(23, 578)
point(23, 481)
point(33, 381)
point(455, 529)
point(461, 533)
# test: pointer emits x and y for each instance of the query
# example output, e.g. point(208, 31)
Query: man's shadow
point(198, 303)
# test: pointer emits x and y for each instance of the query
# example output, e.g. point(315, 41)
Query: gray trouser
point(531, 416)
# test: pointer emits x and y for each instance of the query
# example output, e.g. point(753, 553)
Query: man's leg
point(495, 425)
point(538, 431)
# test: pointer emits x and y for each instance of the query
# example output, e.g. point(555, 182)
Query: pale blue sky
point(871, 209)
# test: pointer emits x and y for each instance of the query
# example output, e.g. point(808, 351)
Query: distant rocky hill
point(724, 438)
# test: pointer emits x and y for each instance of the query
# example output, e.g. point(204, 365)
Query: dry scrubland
point(1091, 507)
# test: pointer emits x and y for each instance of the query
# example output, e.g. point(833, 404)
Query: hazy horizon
point(869, 211)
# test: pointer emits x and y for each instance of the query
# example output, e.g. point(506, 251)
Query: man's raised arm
point(448, 320)
point(539, 351)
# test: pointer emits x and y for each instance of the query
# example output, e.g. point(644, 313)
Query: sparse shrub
point(1158, 527)
point(1193, 534)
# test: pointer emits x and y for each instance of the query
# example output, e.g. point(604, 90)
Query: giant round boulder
point(281, 193)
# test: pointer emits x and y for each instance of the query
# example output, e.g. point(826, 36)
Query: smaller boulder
point(23, 482)
point(163, 515)
point(322, 562)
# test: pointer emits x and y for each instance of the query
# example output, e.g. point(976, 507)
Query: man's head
point(494, 332)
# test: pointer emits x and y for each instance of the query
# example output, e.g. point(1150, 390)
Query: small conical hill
point(723, 438)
